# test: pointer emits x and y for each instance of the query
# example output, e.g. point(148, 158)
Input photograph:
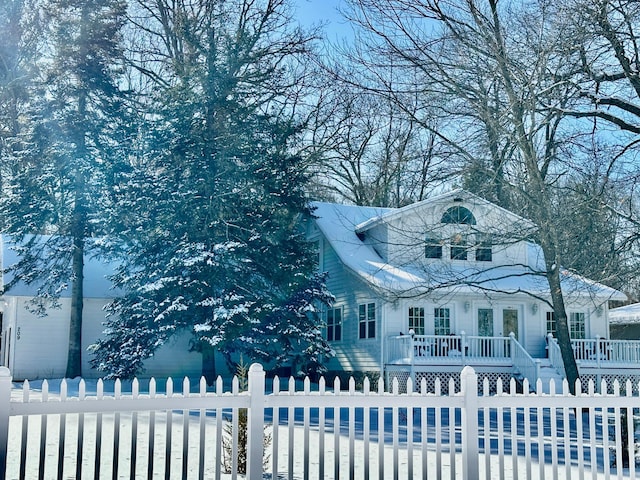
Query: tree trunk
point(562, 328)
point(208, 363)
point(74, 358)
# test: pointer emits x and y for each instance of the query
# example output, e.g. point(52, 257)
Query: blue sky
point(311, 12)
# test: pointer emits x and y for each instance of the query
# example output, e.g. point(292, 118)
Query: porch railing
point(603, 352)
point(447, 349)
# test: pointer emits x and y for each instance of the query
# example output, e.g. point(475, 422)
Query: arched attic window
point(458, 215)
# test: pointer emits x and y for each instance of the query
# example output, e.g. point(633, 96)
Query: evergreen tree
point(72, 137)
point(10, 45)
point(211, 230)
point(19, 27)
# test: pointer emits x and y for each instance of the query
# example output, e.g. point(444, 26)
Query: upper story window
point(459, 215)
point(459, 247)
point(317, 255)
point(483, 248)
point(433, 248)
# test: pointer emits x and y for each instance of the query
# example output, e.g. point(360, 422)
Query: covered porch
point(596, 358)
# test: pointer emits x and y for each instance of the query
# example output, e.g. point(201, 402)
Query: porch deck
point(424, 350)
point(433, 353)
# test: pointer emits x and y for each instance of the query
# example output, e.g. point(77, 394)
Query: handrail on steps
point(555, 355)
point(523, 363)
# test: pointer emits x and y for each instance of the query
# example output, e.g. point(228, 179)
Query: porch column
point(412, 353)
point(463, 347)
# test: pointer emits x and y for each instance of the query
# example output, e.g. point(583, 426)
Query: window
point(576, 325)
point(483, 248)
point(334, 324)
point(317, 255)
point(551, 323)
point(416, 320)
point(459, 215)
point(459, 247)
point(442, 321)
point(367, 320)
point(433, 248)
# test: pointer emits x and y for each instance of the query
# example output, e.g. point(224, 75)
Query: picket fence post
point(5, 401)
point(470, 453)
point(255, 422)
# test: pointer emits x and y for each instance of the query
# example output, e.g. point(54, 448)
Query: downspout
point(11, 357)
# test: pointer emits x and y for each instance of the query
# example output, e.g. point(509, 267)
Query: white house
point(457, 272)
point(35, 346)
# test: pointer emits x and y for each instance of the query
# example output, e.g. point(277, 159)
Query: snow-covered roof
point(626, 314)
point(339, 224)
point(96, 272)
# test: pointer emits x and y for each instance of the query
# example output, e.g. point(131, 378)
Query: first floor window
point(551, 323)
point(367, 320)
point(442, 321)
point(416, 320)
point(334, 324)
point(577, 325)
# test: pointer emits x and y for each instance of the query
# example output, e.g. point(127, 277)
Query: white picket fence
point(320, 432)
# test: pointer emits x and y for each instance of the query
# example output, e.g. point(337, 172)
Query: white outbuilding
point(34, 346)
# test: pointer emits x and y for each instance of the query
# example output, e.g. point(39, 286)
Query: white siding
point(352, 353)
point(406, 234)
point(39, 345)
point(171, 360)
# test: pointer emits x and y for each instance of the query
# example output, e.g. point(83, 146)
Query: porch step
point(547, 373)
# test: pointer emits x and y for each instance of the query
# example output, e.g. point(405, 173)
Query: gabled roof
point(340, 224)
point(461, 195)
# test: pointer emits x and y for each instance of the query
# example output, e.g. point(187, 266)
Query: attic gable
point(467, 207)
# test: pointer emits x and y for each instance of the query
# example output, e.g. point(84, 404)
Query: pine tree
point(19, 29)
point(212, 237)
point(71, 147)
point(10, 93)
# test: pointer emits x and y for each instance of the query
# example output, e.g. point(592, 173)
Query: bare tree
point(369, 151)
point(502, 74)
point(374, 154)
point(603, 35)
